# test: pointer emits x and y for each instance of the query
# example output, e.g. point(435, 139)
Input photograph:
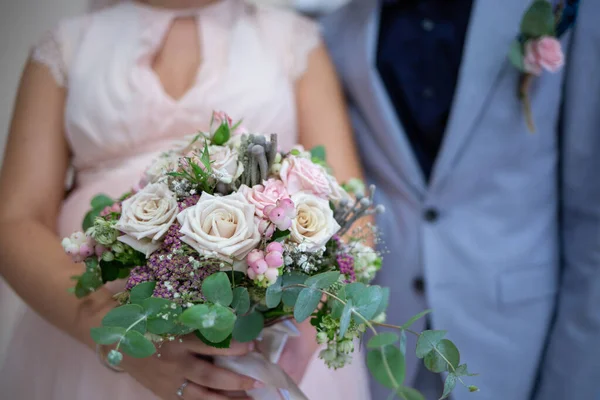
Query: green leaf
point(307, 302)
point(427, 341)
point(273, 294)
point(90, 281)
point(214, 321)
point(461, 370)
point(324, 280)
point(222, 134)
point(449, 386)
point(248, 327)
point(91, 264)
point(217, 289)
point(162, 315)
point(407, 393)
point(395, 363)
point(435, 363)
point(129, 316)
point(539, 20)
point(141, 292)
point(383, 339)
point(403, 341)
point(101, 201)
point(110, 271)
point(385, 299)
point(353, 289)
point(450, 352)
point(366, 302)
point(336, 306)
point(291, 295)
point(107, 334)
point(241, 300)
point(221, 345)
point(136, 345)
point(515, 55)
point(124, 273)
point(415, 319)
point(346, 316)
point(88, 220)
point(280, 236)
point(319, 153)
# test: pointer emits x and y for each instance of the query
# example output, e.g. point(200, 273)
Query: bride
point(105, 93)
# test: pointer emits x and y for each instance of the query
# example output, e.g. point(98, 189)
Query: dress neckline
point(218, 6)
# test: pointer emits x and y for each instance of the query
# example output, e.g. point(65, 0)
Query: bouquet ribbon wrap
point(262, 365)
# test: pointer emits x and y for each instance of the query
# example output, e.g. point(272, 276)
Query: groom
point(494, 228)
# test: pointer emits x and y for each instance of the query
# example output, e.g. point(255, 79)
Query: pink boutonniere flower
point(537, 49)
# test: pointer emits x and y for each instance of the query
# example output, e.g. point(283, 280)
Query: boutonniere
point(537, 47)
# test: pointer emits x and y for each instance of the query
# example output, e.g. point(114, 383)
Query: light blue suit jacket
point(518, 237)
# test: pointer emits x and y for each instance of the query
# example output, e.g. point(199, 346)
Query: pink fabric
point(118, 118)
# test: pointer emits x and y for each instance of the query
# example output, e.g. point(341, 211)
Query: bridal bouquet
point(226, 237)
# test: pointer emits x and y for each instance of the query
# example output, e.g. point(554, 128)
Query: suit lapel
point(368, 91)
point(493, 25)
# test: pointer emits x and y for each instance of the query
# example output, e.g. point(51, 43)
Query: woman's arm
point(322, 120)
point(32, 186)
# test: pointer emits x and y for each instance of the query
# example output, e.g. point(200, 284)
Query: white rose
point(337, 191)
point(223, 227)
point(147, 216)
point(167, 162)
point(314, 224)
point(225, 163)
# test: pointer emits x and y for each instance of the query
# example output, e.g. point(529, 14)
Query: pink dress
point(118, 118)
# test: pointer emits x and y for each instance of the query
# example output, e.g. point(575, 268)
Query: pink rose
point(265, 195)
point(300, 174)
point(220, 117)
point(544, 53)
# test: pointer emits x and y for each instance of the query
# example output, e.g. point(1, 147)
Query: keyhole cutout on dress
point(177, 62)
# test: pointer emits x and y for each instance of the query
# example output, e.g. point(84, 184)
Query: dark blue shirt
point(419, 56)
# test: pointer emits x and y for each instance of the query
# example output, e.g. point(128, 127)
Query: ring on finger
point(182, 388)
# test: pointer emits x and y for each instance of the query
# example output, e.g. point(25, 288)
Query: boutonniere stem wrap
point(537, 49)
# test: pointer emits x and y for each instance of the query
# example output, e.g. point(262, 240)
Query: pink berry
point(288, 207)
point(99, 250)
point(254, 257)
point(251, 274)
point(275, 246)
point(261, 267)
point(274, 259)
point(271, 275)
point(266, 228)
point(86, 250)
point(116, 208)
point(278, 217)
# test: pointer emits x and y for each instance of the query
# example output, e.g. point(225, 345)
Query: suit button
point(431, 215)
point(419, 285)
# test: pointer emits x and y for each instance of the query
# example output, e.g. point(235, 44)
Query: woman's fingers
point(195, 345)
point(197, 392)
point(206, 374)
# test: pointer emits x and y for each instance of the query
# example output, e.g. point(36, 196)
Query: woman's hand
point(180, 362)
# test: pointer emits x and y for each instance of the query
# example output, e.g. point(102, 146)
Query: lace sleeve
point(306, 36)
point(48, 51)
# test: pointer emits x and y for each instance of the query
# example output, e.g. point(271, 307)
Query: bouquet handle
point(262, 365)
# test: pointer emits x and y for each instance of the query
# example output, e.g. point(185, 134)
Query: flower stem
point(525, 85)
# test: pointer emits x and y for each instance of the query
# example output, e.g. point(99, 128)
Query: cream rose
point(146, 216)
point(314, 224)
point(223, 227)
point(225, 164)
point(167, 162)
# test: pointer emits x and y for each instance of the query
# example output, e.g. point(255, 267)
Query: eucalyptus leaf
point(129, 316)
point(336, 306)
point(248, 327)
point(141, 292)
point(217, 289)
point(382, 339)
point(449, 385)
point(403, 341)
point(366, 302)
point(274, 294)
point(214, 321)
point(241, 300)
point(462, 370)
point(385, 299)
point(290, 295)
point(427, 341)
point(386, 360)
point(162, 315)
point(515, 55)
point(408, 393)
point(307, 302)
point(415, 319)
point(450, 352)
point(106, 335)
point(319, 153)
point(346, 317)
point(90, 281)
point(101, 201)
point(323, 280)
point(435, 363)
point(538, 20)
point(224, 344)
point(136, 345)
